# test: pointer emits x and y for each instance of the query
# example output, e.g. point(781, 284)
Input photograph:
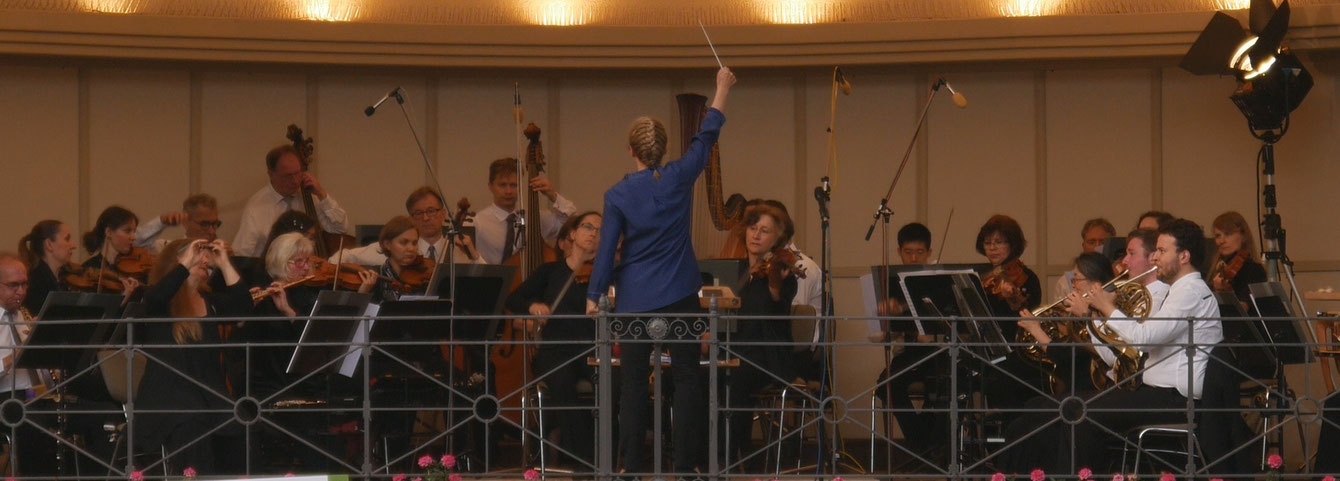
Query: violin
point(343, 276)
point(137, 264)
point(779, 258)
point(583, 273)
point(1011, 272)
point(415, 276)
point(79, 278)
point(1229, 270)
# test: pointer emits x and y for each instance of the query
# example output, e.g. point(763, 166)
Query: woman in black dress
point(288, 258)
point(112, 237)
point(47, 249)
point(767, 292)
point(1237, 268)
point(176, 291)
point(560, 288)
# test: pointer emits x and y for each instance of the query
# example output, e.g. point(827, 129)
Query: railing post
point(604, 393)
point(1191, 398)
point(713, 349)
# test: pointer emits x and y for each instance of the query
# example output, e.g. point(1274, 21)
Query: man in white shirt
point(495, 225)
point(13, 289)
point(199, 216)
point(1188, 313)
point(427, 212)
point(288, 176)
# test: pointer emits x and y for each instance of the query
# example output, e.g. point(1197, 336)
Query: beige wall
point(1050, 146)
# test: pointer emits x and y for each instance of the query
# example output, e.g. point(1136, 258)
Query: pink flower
point(1085, 474)
point(1167, 477)
point(399, 477)
point(425, 461)
point(1037, 475)
point(137, 476)
point(1118, 477)
point(1328, 478)
point(416, 478)
point(448, 461)
point(290, 475)
point(189, 472)
point(531, 474)
point(1216, 479)
point(1275, 461)
point(455, 477)
point(837, 478)
point(998, 477)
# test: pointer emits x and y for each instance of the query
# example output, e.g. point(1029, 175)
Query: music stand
point(955, 293)
point(336, 318)
point(481, 290)
point(723, 272)
point(388, 329)
point(895, 290)
point(1260, 360)
point(1269, 299)
point(72, 345)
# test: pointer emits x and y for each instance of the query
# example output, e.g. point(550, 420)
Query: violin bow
point(944, 237)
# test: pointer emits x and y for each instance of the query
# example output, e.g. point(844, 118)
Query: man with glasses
point(427, 212)
point(199, 216)
point(287, 179)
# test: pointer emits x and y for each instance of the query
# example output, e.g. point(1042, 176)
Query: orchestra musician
point(176, 292)
point(199, 216)
point(288, 258)
point(287, 176)
point(809, 290)
point(560, 288)
point(651, 209)
point(400, 241)
point(925, 430)
point(1237, 267)
point(47, 249)
point(1091, 271)
point(768, 291)
point(427, 210)
point(496, 233)
point(1092, 235)
point(113, 236)
point(32, 449)
point(1153, 220)
point(1189, 312)
point(1140, 247)
point(1010, 286)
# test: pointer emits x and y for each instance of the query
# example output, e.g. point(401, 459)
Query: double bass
point(327, 243)
point(510, 359)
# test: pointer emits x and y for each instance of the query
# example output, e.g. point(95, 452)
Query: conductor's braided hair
point(647, 138)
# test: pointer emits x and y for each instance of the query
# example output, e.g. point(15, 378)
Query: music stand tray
point(73, 344)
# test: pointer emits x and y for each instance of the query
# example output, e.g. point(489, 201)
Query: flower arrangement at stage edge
point(1037, 475)
point(137, 476)
point(188, 473)
point(1085, 474)
point(998, 477)
point(439, 469)
point(1167, 477)
point(1119, 477)
point(1275, 462)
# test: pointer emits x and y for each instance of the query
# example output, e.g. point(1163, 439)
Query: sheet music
point(873, 326)
point(350, 361)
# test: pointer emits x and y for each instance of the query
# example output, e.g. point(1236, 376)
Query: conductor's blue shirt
point(654, 217)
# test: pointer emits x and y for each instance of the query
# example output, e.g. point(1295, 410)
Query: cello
point(512, 360)
point(326, 243)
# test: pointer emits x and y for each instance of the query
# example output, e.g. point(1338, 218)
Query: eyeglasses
point(426, 212)
point(15, 285)
point(995, 242)
point(589, 226)
point(301, 261)
point(210, 225)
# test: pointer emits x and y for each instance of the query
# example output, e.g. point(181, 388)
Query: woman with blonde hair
point(186, 378)
point(651, 210)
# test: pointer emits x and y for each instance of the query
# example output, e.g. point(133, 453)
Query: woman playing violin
point(404, 270)
point(560, 288)
point(768, 291)
point(112, 246)
point(47, 249)
point(1237, 268)
point(1011, 285)
point(177, 290)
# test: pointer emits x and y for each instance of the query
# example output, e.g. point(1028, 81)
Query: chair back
point(804, 326)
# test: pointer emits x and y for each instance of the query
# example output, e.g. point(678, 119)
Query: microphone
point(959, 99)
point(841, 80)
point(372, 109)
point(822, 197)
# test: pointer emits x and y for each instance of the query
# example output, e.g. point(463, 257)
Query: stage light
point(329, 10)
point(560, 12)
point(795, 11)
point(110, 6)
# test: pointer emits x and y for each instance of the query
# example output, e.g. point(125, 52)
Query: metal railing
point(405, 399)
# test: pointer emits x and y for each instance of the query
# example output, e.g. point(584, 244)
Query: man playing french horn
point(1188, 313)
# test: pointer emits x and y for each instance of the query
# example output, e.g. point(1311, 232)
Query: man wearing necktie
point(30, 449)
point(287, 179)
point(428, 212)
point(496, 227)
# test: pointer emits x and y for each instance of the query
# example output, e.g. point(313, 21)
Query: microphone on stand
point(822, 196)
point(959, 99)
point(842, 82)
point(395, 92)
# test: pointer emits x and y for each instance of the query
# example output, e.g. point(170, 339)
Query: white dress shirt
point(809, 290)
point(266, 205)
point(491, 227)
point(372, 255)
point(1188, 298)
point(10, 378)
point(146, 235)
point(1158, 291)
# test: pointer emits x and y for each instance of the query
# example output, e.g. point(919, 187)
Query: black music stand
point(481, 290)
point(1270, 301)
point(69, 345)
point(386, 328)
point(723, 272)
point(336, 318)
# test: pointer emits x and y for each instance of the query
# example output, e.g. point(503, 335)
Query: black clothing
point(163, 389)
point(269, 364)
point(1252, 272)
point(1002, 390)
point(561, 365)
point(690, 403)
point(761, 367)
point(41, 281)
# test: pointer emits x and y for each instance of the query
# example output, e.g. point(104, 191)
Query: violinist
point(400, 241)
point(496, 225)
point(288, 177)
point(112, 246)
point(560, 288)
point(47, 249)
point(651, 210)
point(1010, 284)
point(177, 291)
point(199, 216)
point(428, 212)
point(1237, 268)
point(771, 286)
